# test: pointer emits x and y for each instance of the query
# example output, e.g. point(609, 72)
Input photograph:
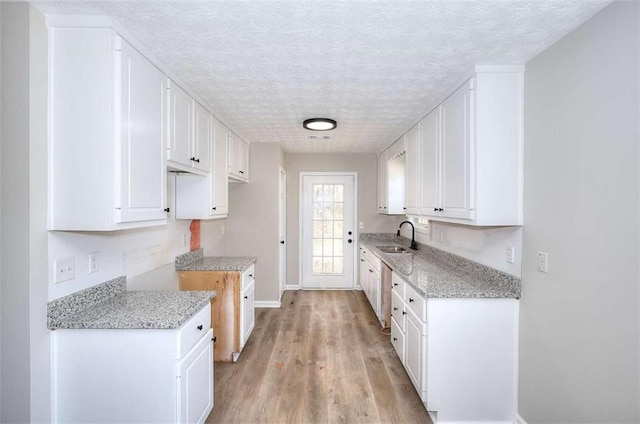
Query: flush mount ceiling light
point(319, 124)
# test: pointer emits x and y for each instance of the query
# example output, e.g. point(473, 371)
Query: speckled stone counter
point(110, 306)
point(195, 261)
point(438, 274)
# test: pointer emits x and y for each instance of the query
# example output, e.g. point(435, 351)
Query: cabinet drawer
point(398, 310)
point(416, 303)
point(397, 339)
point(373, 260)
point(247, 277)
point(192, 330)
point(397, 285)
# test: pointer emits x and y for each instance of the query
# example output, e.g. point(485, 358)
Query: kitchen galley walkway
point(319, 359)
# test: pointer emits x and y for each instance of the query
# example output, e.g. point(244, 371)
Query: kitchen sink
point(394, 249)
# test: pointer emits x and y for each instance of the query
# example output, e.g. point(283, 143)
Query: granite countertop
point(110, 306)
point(195, 261)
point(438, 274)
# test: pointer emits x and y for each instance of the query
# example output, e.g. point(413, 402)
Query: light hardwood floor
point(319, 359)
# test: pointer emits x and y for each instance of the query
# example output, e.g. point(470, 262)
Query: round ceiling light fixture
point(319, 124)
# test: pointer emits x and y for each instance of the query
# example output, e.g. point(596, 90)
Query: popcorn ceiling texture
point(377, 67)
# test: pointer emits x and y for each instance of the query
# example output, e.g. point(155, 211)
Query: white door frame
point(282, 204)
point(355, 220)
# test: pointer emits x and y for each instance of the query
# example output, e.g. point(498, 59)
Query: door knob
point(349, 233)
point(349, 241)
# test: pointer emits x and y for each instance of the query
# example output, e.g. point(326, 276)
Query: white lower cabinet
point(134, 375)
point(247, 307)
point(370, 281)
point(460, 353)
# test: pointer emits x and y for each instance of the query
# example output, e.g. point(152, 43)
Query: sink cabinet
point(134, 375)
point(232, 309)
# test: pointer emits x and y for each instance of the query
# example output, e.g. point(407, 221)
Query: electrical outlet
point(184, 239)
point(441, 236)
point(511, 253)
point(94, 262)
point(543, 262)
point(65, 269)
point(361, 225)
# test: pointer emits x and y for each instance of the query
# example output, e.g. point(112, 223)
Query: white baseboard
point(292, 287)
point(267, 303)
point(520, 420)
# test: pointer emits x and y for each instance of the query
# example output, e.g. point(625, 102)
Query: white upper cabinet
point(107, 120)
point(189, 147)
point(382, 182)
point(238, 159)
point(455, 184)
point(469, 152)
point(202, 137)
point(391, 182)
point(206, 197)
point(429, 163)
point(412, 195)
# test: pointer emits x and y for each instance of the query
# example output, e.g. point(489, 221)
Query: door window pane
point(328, 229)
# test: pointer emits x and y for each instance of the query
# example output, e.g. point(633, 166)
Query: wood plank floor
point(319, 359)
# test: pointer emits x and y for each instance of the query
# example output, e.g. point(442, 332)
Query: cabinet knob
point(395, 309)
point(192, 158)
point(370, 270)
point(361, 260)
point(242, 172)
point(440, 209)
point(214, 339)
point(281, 241)
point(404, 208)
point(199, 327)
point(167, 210)
point(410, 300)
point(246, 297)
point(214, 208)
point(251, 275)
point(435, 209)
point(198, 160)
point(395, 339)
point(395, 284)
point(404, 313)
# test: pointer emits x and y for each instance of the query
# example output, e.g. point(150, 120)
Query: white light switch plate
point(543, 262)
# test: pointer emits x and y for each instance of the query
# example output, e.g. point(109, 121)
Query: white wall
point(15, 279)
point(252, 226)
point(131, 252)
point(579, 347)
point(365, 164)
point(484, 245)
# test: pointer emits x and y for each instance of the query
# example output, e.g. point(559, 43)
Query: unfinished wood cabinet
point(230, 310)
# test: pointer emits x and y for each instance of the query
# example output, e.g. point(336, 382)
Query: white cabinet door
point(179, 151)
point(142, 170)
point(220, 184)
point(202, 137)
point(430, 160)
point(382, 182)
point(412, 199)
point(247, 312)
point(415, 354)
point(456, 155)
point(238, 158)
point(195, 383)
point(398, 340)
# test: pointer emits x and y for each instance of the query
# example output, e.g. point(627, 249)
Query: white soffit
point(376, 67)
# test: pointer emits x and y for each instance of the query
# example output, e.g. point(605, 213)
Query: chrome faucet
point(413, 246)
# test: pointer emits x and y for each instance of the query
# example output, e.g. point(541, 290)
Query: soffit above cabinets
point(376, 67)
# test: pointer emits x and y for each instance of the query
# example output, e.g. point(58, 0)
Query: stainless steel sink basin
point(393, 249)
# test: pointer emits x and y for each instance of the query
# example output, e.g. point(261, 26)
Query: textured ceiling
point(377, 67)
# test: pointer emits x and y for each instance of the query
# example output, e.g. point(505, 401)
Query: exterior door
point(327, 231)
